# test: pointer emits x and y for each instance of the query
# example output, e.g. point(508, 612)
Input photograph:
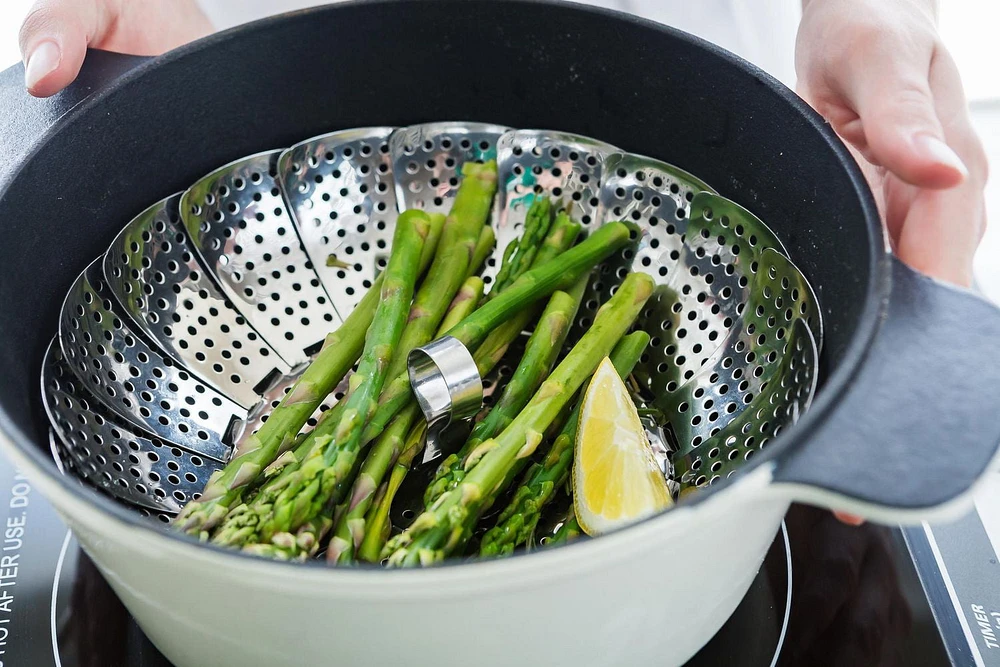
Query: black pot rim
point(836, 384)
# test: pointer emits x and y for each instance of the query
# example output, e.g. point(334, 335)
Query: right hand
point(56, 34)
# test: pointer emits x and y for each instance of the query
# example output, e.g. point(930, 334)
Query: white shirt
point(762, 31)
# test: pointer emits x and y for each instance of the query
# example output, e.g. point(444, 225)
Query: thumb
point(54, 39)
point(893, 98)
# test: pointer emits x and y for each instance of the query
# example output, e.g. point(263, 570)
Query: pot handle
point(920, 423)
point(27, 118)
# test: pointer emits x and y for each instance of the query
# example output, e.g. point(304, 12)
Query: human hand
point(56, 33)
point(877, 70)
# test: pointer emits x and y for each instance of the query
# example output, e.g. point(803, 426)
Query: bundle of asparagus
point(452, 469)
point(446, 526)
point(367, 534)
point(351, 520)
point(287, 494)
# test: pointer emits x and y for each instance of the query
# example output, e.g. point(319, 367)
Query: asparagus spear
point(534, 284)
point(462, 229)
point(464, 303)
point(377, 519)
point(351, 524)
point(562, 236)
point(519, 255)
point(341, 349)
point(569, 531)
point(302, 546)
point(508, 256)
point(518, 520)
point(311, 486)
point(443, 529)
point(484, 246)
point(540, 355)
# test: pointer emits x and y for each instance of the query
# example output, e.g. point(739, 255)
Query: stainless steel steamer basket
point(173, 346)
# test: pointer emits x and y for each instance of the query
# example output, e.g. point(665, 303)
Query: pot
point(902, 426)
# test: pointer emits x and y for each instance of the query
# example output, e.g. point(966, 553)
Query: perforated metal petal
point(153, 273)
point(135, 380)
point(780, 403)
point(59, 450)
point(566, 167)
point(692, 314)
point(426, 160)
point(751, 354)
point(237, 222)
point(722, 234)
point(94, 444)
point(340, 192)
point(656, 197)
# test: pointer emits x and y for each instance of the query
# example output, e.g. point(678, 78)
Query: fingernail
point(849, 519)
point(940, 152)
point(42, 61)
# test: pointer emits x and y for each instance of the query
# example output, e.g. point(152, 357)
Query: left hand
point(877, 70)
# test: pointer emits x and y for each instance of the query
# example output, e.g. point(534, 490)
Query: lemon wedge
point(616, 480)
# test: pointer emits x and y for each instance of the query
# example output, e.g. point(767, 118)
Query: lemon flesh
point(616, 480)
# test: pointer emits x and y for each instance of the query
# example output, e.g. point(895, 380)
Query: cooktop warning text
point(13, 540)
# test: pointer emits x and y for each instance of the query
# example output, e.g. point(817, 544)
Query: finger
point(885, 81)
point(935, 237)
point(55, 36)
point(152, 27)
point(849, 519)
point(942, 229)
point(54, 39)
